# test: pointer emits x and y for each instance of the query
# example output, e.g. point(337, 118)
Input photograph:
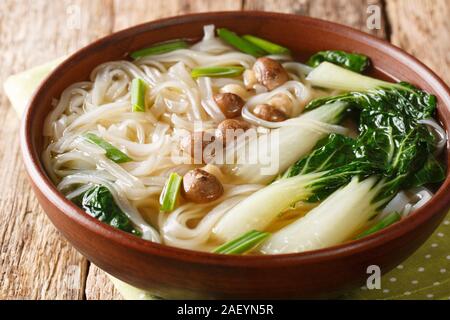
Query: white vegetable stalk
point(334, 221)
point(331, 76)
point(292, 141)
point(258, 210)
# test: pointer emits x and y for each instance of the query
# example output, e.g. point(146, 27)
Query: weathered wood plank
point(99, 287)
point(422, 28)
point(353, 13)
point(35, 261)
point(128, 13)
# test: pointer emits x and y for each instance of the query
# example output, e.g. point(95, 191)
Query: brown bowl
point(176, 273)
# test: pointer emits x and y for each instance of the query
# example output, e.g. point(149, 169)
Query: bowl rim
point(32, 161)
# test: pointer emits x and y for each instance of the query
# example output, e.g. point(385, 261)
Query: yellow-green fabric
point(424, 275)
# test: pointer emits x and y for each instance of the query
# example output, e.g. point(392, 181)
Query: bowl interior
point(305, 37)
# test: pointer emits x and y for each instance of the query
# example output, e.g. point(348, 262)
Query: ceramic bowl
point(176, 273)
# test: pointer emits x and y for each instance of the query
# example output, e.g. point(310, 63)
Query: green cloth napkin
point(424, 275)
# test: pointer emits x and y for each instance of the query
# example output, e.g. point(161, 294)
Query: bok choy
point(333, 221)
point(392, 148)
point(288, 143)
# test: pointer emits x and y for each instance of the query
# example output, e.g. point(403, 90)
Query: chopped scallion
point(383, 223)
point(239, 43)
point(242, 244)
point(160, 48)
point(233, 71)
point(170, 192)
point(111, 152)
point(266, 45)
point(138, 88)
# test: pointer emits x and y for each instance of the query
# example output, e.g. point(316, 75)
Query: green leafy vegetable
point(160, 48)
point(334, 157)
point(232, 71)
point(266, 45)
point(99, 203)
point(239, 43)
point(352, 61)
point(288, 143)
point(111, 152)
point(169, 195)
point(431, 172)
point(383, 223)
point(138, 88)
point(391, 139)
point(392, 152)
point(242, 244)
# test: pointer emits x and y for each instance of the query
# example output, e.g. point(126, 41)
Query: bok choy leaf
point(283, 143)
point(351, 61)
point(99, 203)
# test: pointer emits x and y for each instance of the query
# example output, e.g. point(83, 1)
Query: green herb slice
point(233, 71)
point(266, 45)
point(112, 152)
point(242, 244)
point(160, 48)
point(239, 43)
point(169, 195)
point(138, 89)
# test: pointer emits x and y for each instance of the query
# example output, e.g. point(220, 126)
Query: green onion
point(383, 223)
point(111, 152)
point(242, 244)
point(266, 45)
point(217, 71)
point(138, 88)
point(239, 43)
point(170, 192)
point(159, 48)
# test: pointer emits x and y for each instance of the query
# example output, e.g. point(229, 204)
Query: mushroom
point(200, 186)
point(269, 113)
point(195, 143)
point(229, 103)
point(270, 73)
point(231, 128)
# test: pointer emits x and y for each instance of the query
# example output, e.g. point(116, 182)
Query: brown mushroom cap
point(200, 186)
point(269, 113)
point(231, 128)
point(195, 143)
point(270, 73)
point(229, 103)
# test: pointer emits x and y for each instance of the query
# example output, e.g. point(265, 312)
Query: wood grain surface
point(35, 261)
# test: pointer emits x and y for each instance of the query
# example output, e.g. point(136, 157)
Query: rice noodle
point(406, 202)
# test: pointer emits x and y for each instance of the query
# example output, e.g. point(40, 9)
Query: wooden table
point(35, 261)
